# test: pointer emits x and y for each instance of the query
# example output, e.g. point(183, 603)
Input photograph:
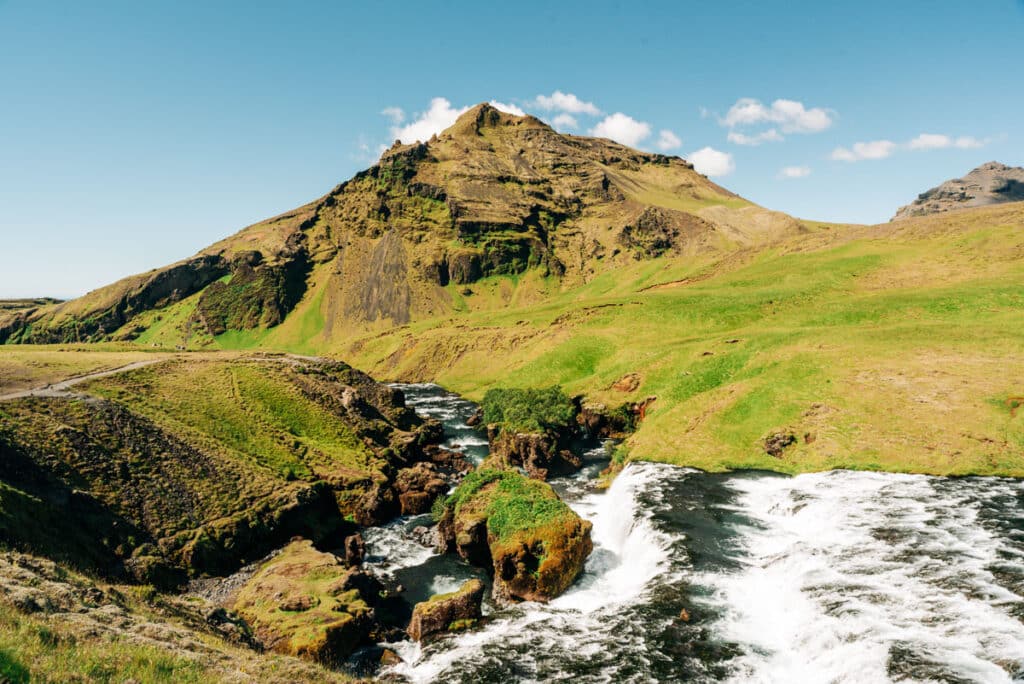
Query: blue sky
point(134, 134)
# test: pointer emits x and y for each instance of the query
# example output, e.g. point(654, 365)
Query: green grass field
point(896, 348)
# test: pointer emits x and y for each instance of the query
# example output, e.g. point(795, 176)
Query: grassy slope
point(894, 347)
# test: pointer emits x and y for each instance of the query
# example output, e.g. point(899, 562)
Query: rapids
point(831, 577)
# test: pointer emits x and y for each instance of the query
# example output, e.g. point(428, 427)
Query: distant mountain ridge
point(493, 195)
point(991, 183)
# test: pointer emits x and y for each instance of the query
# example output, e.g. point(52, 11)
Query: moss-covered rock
point(451, 612)
point(517, 528)
point(307, 603)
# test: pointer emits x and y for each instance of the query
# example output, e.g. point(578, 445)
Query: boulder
point(448, 612)
point(306, 603)
point(517, 528)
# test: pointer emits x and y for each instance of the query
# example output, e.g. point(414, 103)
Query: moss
point(298, 602)
point(511, 502)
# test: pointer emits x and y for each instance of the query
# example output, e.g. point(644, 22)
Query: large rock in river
point(447, 612)
point(518, 528)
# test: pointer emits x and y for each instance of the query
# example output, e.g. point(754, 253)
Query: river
point(828, 577)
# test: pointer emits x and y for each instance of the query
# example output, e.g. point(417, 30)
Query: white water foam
point(867, 577)
point(628, 555)
point(390, 548)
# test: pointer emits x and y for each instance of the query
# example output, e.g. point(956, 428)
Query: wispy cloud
point(667, 140)
point(794, 172)
point(935, 141)
point(396, 114)
point(712, 162)
point(880, 149)
point(770, 135)
point(859, 151)
point(565, 122)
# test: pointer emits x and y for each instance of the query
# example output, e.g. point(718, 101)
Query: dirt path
point(62, 388)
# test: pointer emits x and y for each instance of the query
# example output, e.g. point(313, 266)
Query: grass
point(97, 632)
point(251, 409)
point(25, 367)
point(889, 347)
point(31, 650)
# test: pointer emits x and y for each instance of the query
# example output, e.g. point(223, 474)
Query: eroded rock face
point(418, 486)
point(542, 565)
point(539, 454)
point(307, 603)
point(448, 612)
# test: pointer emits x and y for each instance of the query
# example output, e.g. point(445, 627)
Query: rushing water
point(832, 577)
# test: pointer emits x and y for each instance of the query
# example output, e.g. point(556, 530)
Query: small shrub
point(528, 410)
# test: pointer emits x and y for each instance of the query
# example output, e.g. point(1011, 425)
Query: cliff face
point(991, 183)
point(495, 194)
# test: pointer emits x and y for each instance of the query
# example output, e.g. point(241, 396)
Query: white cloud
point(711, 162)
point(566, 121)
point(771, 135)
point(876, 149)
point(566, 102)
point(508, 108)
point(396, 114)
point(789, 115)
point(935, 141)
point(667, 140)
point(438, 117)
point(622, 128)
point(794, 172)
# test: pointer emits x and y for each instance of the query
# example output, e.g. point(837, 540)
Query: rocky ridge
point(991, 183)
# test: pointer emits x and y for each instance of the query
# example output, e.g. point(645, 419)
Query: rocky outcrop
point(306, 603)
point(257, 294)
point(539, 454)
point(97, 315)
point(418, 487)
point(446, 613)
point(518, 529)
point(991, 183)
point(79, 621)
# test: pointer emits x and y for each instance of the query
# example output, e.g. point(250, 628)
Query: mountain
point(991, 183)
point(495, 194)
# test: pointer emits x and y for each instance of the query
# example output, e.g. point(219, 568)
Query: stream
point(828, 577)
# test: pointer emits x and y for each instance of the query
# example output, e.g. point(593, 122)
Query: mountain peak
point(485, 115)
point(991, 183)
